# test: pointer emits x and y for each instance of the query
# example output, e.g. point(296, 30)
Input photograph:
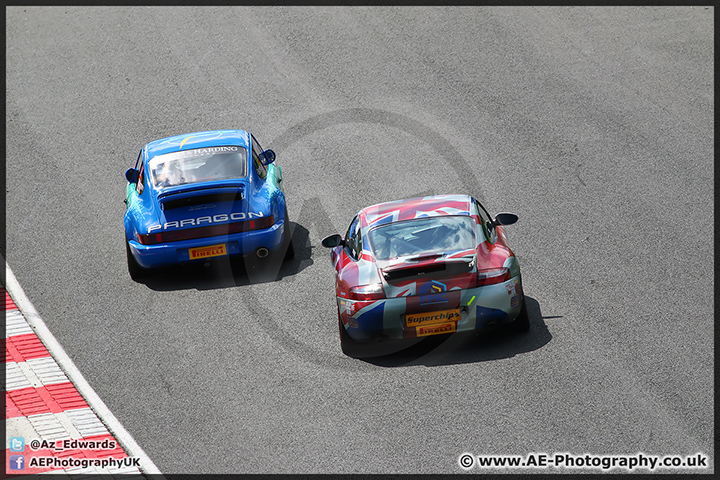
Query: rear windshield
point(426, 235)
point(198, 165)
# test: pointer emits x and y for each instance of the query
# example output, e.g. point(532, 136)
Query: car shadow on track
point(470, 348)
point(226, 272)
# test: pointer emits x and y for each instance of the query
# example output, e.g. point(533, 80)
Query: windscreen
point(198, 165)
point(421, 236)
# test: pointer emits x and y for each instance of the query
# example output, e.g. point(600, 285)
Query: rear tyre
point(136, 271)
point(522, 323)
point(290, 252)
point(350, 347)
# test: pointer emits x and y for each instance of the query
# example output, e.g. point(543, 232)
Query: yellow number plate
point(435, 329)
point(211, 251)
point(432, 318)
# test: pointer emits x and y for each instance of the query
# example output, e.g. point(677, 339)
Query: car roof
point(187, 141)
point(419, 207)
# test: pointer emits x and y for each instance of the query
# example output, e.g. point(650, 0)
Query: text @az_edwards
point(70, 444)
point(586, 461)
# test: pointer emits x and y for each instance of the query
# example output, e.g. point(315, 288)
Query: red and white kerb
point(43, 404)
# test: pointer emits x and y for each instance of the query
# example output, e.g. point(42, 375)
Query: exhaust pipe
point(262, 252)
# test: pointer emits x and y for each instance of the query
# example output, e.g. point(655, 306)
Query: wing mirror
point(332, 241)
point(505, 219)
point(132, 175)
point(268, 157)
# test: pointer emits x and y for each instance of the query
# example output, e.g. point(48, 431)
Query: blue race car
point(203, 195)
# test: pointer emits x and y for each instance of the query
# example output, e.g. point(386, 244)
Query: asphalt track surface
point(594, 125)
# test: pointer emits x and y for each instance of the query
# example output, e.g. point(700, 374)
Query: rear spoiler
point(188, 196)
point(438, 268)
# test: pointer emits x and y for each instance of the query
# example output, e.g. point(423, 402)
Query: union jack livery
point(204, 195)
point(425, 266)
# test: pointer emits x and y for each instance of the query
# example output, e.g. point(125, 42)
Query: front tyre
point(136, 271)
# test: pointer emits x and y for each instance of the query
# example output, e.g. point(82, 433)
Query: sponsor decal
point(194, 152)
point(207, 219)
point(348, 306)
point(198, 152)
point(433, 292)
point(435, 329)
point(204, 135)
point(186, 139)
point(205, 252)
point(515, 301)
point(509, 288)
point(432, 318)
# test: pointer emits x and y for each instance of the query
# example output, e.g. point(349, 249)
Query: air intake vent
point(175, 202)
point(434, 269)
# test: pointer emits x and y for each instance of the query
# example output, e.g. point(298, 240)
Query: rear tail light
point(208, 231)
point(367, 292)
point(150, 238)
point(491, 276)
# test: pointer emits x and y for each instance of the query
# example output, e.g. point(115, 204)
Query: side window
point(351, 238)
point(487, 225)
point(141, 179)
point(260, 169)
point(358, 240)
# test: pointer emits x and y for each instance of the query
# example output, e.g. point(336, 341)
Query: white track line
point(58, 352)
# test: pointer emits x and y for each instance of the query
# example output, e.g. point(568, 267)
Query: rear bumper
point(243, 243)
point(481, 308)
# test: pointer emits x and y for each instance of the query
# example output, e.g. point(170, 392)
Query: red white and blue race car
point(413, 268)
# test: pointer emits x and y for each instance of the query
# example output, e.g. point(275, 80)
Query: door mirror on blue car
point(332, 241)
point(505, 219)
point(132, 175)
point(268, 157)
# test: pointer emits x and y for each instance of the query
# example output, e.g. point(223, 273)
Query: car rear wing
point(447, 267)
